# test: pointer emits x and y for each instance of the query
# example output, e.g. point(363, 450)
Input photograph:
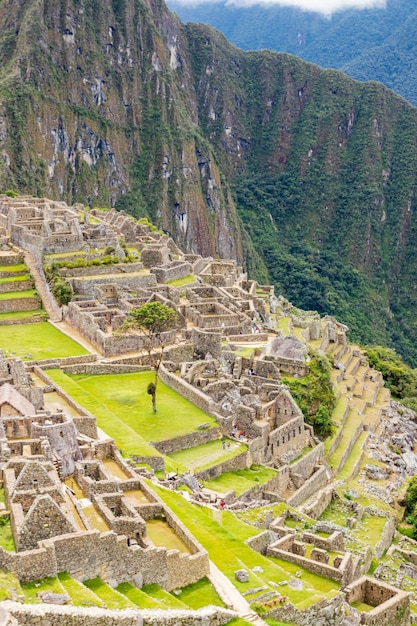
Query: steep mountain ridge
point(306, 176)
point(96, 101)
point(374, 43)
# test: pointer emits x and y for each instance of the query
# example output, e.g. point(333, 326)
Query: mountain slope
point(302, 174)
point(368, 44)
point(96, 104)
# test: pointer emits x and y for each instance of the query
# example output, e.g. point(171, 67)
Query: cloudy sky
point(320, 6)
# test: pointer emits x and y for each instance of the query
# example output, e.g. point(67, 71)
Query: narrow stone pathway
point(50, 307)
point(232, 598)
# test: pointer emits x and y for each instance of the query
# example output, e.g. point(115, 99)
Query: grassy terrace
point(241, 480)
point(12, 295)
point(15, 279)
point(15, 269)
point(42, 341)
point(223, 535)
point(179, 282)
point(206, 455)
point(20, 315)
point(123, 408)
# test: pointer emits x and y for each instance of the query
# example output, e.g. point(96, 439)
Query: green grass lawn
point(15, 279)
point(15, 269)
point(20, 315)
point(179, 282)
point(9, 586)
point(30, 590)
point(79, 593)
point(168, 600)
point(124, 410)
point(206, 455)
point(13, 295)
point(42, 341)
point(221, 533)
point(111, 598)
point(6, 535)
point(138, 597)
point(241, 480)
point(200, 594)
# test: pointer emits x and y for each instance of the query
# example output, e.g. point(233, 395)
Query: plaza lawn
point(42, 341)
point(121, 403)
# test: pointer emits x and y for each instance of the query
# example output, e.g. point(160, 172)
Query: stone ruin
point(53, 475)
point(219, 310)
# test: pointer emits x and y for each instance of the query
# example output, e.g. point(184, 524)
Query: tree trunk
point(154, 402)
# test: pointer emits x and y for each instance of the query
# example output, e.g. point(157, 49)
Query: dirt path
point(232, 598)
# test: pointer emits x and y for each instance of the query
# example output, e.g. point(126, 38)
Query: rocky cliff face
point(98, 101)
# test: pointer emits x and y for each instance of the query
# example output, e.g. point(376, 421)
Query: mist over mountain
point(303, 175)
point(376, 43)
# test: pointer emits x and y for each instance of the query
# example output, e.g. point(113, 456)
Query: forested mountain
point(369, 44)
point(304, 175)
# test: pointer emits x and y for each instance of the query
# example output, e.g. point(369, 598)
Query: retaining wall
point(317, 480)
point(190, 440)
point(241, 461)
point(20, 304)
point(42, 614)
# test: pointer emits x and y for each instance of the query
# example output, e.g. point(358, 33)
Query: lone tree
point(151, 320)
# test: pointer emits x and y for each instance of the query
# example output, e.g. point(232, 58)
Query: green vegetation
point(410, 509)
point(120, 404)
point(240, 481)
point(15, 279)
point(18, 315)
point(9, 586)
point(399, 377)
point(33, 589)
point(111, 598)
point(200, 594)
point(223, 534)
point(151, 320)
point(138, 597)
point(50, 342)
point(314, 394)
point(79, 593)
point(6, 535)
point(206, 455)
point(13, 295)
point(179, 282)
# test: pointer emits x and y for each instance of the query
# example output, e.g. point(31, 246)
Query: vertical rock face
point(98, 104)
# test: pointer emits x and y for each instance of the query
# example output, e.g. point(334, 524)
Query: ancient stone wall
point(172, 271)
point(19, 304)
point(241, 461)
point(260, 542)
point(197, 397)
point(189, 440)
point(21, 285)
point(302, 469)
point(392, 606)
point(42, 614)
point(322, 569)
point(313, 484)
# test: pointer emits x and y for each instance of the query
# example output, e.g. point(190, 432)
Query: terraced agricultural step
point(351, 430)
point(353, 462)
point(111, 598)
point(79, 593)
